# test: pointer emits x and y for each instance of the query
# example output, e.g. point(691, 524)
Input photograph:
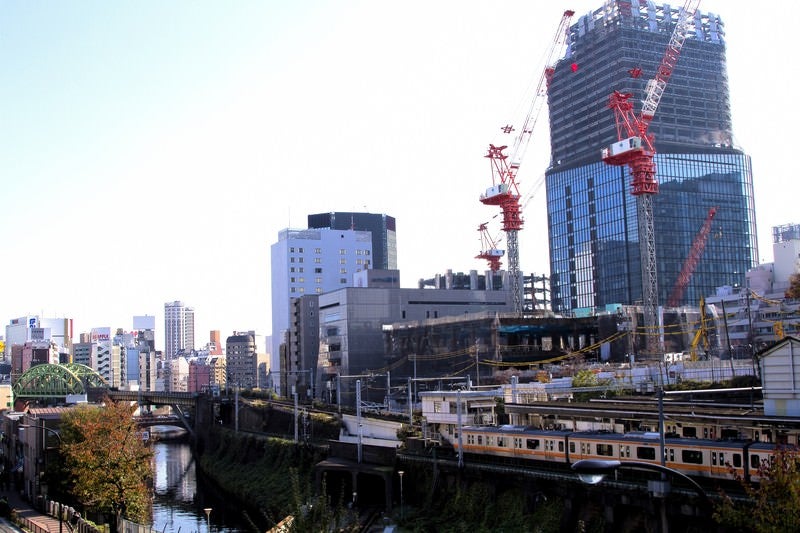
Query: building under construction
point(486, 345)
point(594, 236)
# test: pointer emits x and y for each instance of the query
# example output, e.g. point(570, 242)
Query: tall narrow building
point(241, 359)
point(592, 217)
point(178, 329)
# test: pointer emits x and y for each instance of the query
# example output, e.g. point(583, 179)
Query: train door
point(726, 463)
point(624, 452)
point(551, 449)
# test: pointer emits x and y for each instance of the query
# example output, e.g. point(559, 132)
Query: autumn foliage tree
point(773, 504)
point(108, 463)
point(794, 287)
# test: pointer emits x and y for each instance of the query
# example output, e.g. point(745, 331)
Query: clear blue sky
point(151, 151)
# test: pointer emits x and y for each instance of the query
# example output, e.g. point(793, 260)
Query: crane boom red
point(635, 149)
point(504, 191)
point(698, 246)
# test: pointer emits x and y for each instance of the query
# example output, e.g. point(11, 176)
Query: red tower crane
point(489, 250)
point(635, 149)
point(504, 191)
point(693, 258)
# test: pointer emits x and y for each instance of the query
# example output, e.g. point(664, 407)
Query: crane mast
point(635, 149)
point(504, 192)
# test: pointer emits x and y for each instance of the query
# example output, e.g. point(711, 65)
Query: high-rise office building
point(592, 216)
point(382, 227)
point(311, 261)
point(178, 329)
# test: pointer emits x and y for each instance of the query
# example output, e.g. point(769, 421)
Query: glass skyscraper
point(592, 218)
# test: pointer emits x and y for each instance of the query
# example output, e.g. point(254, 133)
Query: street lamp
point(400, 473)
point(592, 472)
point(208, 519)
point(43, 428)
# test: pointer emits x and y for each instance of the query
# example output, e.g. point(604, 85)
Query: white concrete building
point(108, 356)
point(747, 319)
point(780, 378)
point(311, 261)
point(33, 327)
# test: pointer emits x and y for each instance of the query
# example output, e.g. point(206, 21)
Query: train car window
point(721, 459)
point(705, 433)
point(643, 452)
point(714, 458)
point(571, 447)
point(489, 440)
point(480, 439)
point(532, 444)
point(561, 445)
point(692, 456)
point(755, 461)
point(690, 432)
point(470, 439)
point(501, 442)
point(672, 455)
point(605, 449)
point(737, 460)
point(517, 442)
point(624, 451)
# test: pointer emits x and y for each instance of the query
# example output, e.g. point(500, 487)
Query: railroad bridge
point(55, 383)
point(181, 403)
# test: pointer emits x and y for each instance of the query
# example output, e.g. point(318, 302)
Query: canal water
point(181, 498)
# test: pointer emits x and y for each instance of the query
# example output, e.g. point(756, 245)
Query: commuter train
point(705, 458)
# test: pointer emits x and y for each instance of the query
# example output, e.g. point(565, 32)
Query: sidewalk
point(33, 520)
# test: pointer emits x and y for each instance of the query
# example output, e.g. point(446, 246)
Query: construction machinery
point(504, 191)
point(693, 258)
point(701, 335)
point(489, 250)
point(635, 149)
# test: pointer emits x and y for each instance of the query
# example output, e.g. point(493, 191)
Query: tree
point(588, 378)
point(794, 287)
point(107, 460)
point(774, 504)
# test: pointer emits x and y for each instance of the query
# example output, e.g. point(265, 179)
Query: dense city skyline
point(153, 152)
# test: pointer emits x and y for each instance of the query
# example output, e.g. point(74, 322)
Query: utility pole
point(294, 393)
point(460, 442)
point(358, 416)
